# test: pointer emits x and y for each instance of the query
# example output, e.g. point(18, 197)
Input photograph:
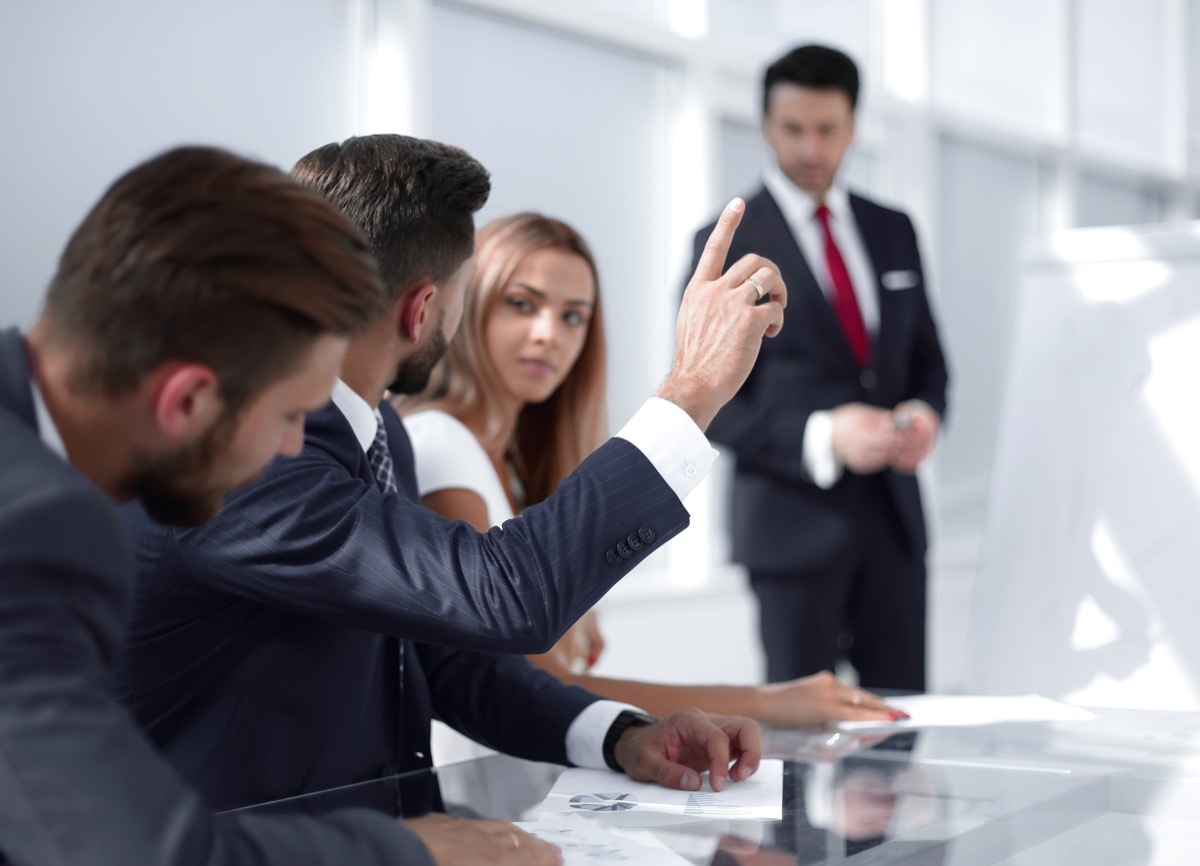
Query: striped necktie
point(380, 457)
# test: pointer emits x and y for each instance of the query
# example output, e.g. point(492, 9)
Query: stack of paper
point(928, 711)
point(616, 798)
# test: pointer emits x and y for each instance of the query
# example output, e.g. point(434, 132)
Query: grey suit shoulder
point(79, 785)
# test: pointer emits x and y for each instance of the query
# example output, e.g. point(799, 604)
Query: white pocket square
point(896, 280)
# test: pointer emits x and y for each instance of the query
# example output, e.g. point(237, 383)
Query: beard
point(412, 374)
point(179, 489)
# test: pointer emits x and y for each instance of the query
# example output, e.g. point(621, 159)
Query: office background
point(991, 122)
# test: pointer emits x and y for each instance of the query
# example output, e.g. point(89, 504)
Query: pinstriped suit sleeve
point(503, 701)
point(314, 538)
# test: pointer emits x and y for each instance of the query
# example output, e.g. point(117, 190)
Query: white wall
point(89, 89)
point(990, 201)
point(575, 129)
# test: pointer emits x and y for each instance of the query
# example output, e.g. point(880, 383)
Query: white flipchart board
point(1089, 586)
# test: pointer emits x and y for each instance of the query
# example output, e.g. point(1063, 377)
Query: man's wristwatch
point(624, 721)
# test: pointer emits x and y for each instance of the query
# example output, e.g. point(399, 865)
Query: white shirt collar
point(797, 205)
point(48, 432)
point(364, 420)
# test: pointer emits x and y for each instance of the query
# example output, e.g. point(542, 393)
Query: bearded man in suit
point(200, 310)
point(306, 637)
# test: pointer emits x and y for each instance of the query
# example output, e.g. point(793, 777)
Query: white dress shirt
point(799, 210)
point(47, 431)
point(661, 430)
point(675, 447)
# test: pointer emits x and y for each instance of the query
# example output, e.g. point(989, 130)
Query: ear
point(186, 400)
point(414, 310)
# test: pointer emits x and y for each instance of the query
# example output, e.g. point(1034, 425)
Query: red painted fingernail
point(897, 716)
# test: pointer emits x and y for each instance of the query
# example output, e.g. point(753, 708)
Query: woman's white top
point(449, 457)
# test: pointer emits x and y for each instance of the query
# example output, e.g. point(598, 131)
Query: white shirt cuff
point(819, 462)
point(671, 442)
point(585, 737)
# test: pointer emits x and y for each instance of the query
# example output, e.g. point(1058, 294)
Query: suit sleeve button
point(646, 534)
point(624, 549)
point(612, 556)
point(633, 541)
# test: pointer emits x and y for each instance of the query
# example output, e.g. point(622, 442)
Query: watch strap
point(625, 720)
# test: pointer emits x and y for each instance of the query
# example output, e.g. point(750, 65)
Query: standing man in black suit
point(834, 420)
point(272, 651)
point(198, 312)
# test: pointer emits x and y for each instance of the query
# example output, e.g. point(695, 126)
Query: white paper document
point(603, 793)
point(928, 711)
point(584, 843)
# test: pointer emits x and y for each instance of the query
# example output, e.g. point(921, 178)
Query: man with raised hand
point(198, 312)
point(332, 551)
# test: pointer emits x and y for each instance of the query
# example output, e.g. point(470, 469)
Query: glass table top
point(1122, 789)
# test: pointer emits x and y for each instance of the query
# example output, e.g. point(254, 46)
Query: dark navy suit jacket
point(265, 656)
point(781, 520)
point(79, 784)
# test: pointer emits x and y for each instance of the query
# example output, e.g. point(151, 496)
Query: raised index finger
point(716, 248)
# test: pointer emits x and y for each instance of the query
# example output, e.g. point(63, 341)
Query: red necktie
point(845, 304)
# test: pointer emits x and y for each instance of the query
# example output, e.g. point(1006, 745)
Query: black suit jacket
point(781, 520)
point(79, 784)
point(266, 656)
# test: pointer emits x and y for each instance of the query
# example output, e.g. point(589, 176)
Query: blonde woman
point(517, 404)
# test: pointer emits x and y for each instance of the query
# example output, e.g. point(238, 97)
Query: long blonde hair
point(551, 437)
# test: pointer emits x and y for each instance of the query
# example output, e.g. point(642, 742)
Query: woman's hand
point(820, 699)
point(577, 651)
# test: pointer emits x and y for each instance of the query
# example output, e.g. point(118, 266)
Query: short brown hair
point(204, 256)
point(414, 201)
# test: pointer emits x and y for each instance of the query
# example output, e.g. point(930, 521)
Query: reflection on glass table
point(1123, 789)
